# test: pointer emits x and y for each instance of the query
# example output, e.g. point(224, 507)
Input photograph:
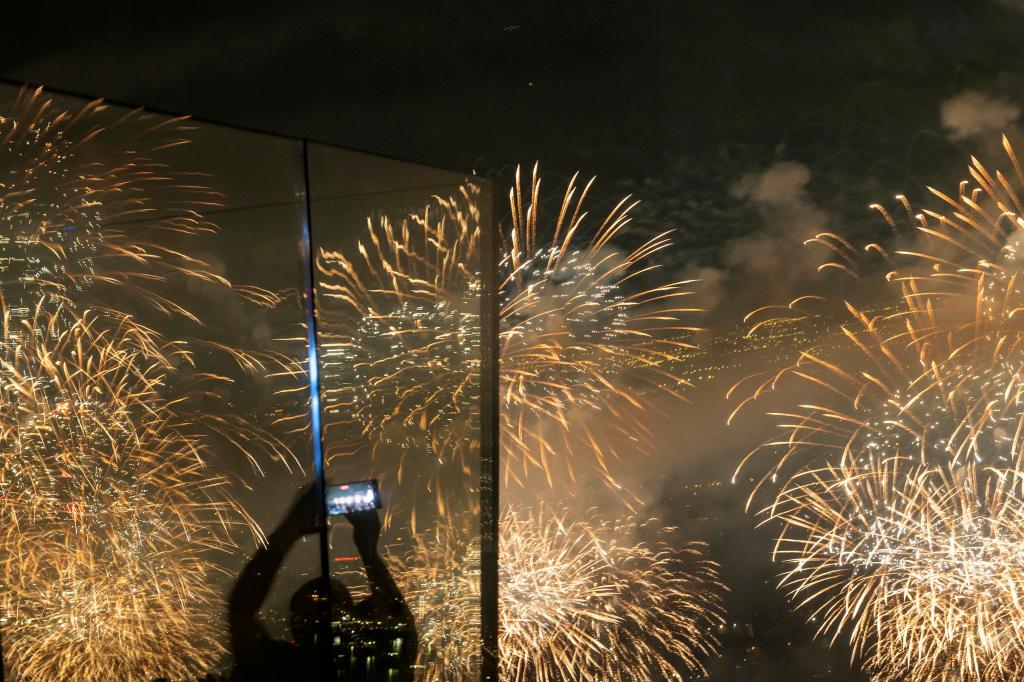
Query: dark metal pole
point(489, 453)
point(326, 636)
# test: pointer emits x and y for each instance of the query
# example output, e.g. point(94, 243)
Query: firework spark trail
point(112, 523)
point(923, 566)
point(587, 600)
point(580, 344)
point(114, 529)
point(897, 476)
point(580, 600)
point(440, 579)
point(979, 238)
point(86, 203)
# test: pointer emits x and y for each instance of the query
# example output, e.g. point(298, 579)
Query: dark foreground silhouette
point(371, 640)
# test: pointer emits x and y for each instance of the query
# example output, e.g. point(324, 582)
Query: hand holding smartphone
point(352, 497)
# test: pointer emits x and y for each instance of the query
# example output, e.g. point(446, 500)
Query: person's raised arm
point(257, 577)
point(384, 593)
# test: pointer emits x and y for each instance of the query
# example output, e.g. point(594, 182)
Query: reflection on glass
point(398, 306)
point(155, 403)
point(137, 392)
point(372, 638)
point(400, 328)
point(440, 578)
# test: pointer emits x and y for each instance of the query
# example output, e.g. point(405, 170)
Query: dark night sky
point(690, 104)
point(609, 86)
point(446, 83)
point(678, 99)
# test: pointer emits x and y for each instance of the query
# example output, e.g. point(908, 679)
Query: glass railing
point(164, 440)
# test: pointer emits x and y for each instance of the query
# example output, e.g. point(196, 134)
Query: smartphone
point(350, 497)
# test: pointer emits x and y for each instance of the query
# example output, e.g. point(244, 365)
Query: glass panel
point(153, 401)
point(398, 301)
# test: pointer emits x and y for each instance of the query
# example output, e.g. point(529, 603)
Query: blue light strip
point(313, 360)
point(313, 356)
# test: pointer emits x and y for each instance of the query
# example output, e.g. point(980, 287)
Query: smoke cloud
point(772, 265)
point(973, 113)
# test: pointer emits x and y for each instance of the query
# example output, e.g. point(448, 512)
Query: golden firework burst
point(588, 600)
point(112, 525)
point(584, 354)
point(921, 566)
point(896, 474)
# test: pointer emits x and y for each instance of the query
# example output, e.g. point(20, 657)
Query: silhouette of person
point(374, 639)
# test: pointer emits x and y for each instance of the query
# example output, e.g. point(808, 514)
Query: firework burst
point(86, 203)
point(922, 566)
point(896, 483)
point(580, 600)
point(111, 522)
point(590, 601)
point(580, 344)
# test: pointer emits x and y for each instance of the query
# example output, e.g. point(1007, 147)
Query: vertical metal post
point(326, 636)
point(489, 432)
